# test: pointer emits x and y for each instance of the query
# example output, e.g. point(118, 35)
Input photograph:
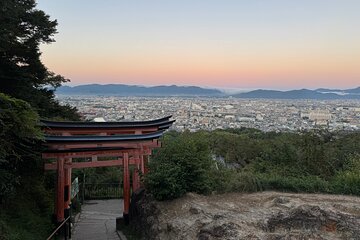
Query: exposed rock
point(219, 231)
point(144, 214)
point(266, 215)
point(307, 218)
point(195, 210)
point(280, 200)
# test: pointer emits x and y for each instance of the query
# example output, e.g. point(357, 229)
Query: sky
point(240, 44)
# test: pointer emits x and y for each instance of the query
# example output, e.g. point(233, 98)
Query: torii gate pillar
point(126, 190)
point(67, 140)
point(60, 201)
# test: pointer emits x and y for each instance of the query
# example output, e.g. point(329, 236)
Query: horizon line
point(214, 87)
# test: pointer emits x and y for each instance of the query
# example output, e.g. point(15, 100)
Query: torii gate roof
point(84, 138)
point(161, 123)
point(109, 138)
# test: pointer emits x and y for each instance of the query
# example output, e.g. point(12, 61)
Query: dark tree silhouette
point(22, 74)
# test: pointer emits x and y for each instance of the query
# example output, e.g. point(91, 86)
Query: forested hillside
point(248, 160)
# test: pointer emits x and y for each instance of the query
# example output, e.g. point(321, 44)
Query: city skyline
point(231, 44)
point(209, 113)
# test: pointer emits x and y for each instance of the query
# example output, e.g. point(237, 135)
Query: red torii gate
point(130, 142)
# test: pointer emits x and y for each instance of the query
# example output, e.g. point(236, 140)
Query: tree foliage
point(23, 199)
point(26, 92)
point(183, 165)
point(18, 133)
point(250, 160)
point(22, 74)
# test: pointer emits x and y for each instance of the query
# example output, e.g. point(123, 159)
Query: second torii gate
point(129, 142)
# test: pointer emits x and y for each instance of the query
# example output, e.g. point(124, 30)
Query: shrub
point(245, 182)
point(347, 181)
point(23, 199)
point(182, 165)
point(252, 160)
point(165, 181)
point(311, 184)
point(17, 133)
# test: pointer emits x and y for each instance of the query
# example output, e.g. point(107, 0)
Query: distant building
point(259, 117)
point(99, 119)
point(245, 119)
point(282, 119)
point(228, 107)
point(320, 115)
point(230, 117)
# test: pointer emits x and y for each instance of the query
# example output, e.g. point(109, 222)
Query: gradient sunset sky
point(274, 44)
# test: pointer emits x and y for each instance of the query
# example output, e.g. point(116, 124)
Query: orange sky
point(281, 45)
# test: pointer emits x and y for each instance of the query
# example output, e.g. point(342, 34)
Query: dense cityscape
point(221, 113)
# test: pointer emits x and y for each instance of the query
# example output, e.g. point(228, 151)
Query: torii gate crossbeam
point(130, 143)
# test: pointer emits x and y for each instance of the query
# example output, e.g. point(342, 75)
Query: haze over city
point(224, 44)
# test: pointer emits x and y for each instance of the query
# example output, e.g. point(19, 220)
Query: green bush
point(25, 204)
point(165, 181)
point(298, 162)
point(18, 131)
point(182, 165)
point(28, 215)
point(347, 181)
point(230, 180)
point(245, 182)
point(222, 177)
point(312, 184)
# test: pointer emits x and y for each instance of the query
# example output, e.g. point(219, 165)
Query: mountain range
point(344, 91)
point(133, 90)
point(173, 90)
point(302, 94)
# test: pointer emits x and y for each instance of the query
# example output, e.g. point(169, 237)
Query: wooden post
point(136, 179)
point(136, 176)
point(141, 168)
point(67, 180)
point(126, 187)
point(142, 165)
point(146, 159)
point(67, 187)
point(60, 190)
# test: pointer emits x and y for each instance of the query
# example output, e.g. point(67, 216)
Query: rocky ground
point(265, 215)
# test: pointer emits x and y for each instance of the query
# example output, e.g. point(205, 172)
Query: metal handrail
point(58, 228)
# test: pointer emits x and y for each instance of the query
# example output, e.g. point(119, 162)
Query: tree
point(24, 201)
point(22, 74)
point(182, 165)
point(18, 132)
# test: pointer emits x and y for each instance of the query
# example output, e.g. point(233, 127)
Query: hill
point(133, 90)
point(173, 90)
point(344, 91)
point(320, 94)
